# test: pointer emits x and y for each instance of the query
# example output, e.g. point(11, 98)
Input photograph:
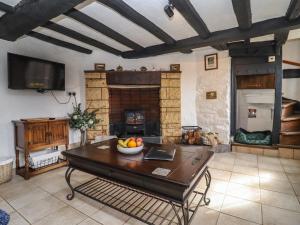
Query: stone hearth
point(97, 97)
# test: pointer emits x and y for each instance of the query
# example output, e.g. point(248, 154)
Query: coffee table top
point(187, 163)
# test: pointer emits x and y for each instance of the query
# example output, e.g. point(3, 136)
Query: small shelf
point(34, 172)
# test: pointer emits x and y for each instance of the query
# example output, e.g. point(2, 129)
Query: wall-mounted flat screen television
point(32, 73)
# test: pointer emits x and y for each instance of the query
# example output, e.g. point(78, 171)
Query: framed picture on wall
point(99, 66)
point(211, 61)
point(175, 67)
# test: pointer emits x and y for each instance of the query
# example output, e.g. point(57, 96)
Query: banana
point(126, 141)
point(122, 144)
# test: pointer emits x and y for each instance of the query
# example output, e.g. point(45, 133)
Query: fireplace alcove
point(126, 102)
point(155, 94)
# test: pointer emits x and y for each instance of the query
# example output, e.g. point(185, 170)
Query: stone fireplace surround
point(97, 97)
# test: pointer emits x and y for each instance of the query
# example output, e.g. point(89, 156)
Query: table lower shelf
point(145, 207)
point(33, 172)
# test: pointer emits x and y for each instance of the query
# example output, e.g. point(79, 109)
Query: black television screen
point(31, 73)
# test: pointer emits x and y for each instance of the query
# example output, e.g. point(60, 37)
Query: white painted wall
point(212, 115)
point(17, 104)
point(291, 52)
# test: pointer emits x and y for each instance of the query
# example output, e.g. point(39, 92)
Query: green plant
point(82, 119)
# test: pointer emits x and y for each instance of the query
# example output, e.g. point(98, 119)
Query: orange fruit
point(131, 144)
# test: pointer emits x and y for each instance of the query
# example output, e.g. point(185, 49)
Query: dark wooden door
point(58, 132)
point(37, 135)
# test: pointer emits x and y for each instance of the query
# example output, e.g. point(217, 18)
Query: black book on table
point(161, 153)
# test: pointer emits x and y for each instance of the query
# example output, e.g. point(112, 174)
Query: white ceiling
point(11, 2)
point(217, 15)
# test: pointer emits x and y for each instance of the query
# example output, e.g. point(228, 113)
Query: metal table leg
point(68, 177)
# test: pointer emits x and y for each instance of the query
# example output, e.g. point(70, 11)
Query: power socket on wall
point(71, 93)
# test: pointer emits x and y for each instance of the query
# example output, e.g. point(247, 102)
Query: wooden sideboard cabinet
point(33, 135)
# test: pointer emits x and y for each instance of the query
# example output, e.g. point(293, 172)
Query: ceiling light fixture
point(169, 9)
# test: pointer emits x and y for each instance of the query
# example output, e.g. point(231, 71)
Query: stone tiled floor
point(246, 190)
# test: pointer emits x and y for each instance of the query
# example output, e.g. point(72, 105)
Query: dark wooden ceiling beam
point(100, 27)
point(242, 10)
point(281, 37)
point(220, 47)
point(188, 11)
point(29, 14)
point(262, 28)
point(6, 8)
point(80, 37)
point(58, 42)
point(125, 10)
point(293, 11)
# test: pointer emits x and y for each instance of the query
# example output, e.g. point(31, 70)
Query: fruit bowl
point(130, 151)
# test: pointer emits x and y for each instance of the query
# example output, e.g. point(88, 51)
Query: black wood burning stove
point(135, 122)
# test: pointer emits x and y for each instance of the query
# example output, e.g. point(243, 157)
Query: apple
point(139, 143)
point(132, 139)
point(139, 140)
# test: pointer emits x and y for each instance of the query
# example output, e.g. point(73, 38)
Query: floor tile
point(229, 192)
point(251, 171)
point(252, 181)
point(208, 215)
point(221, 166)
point(245, 162)
point(280, 200)
point(220, 174)
point(276, 175)
point(246, 156)
point(268, 160)
point(108, 216)
point(243, 209)
point(39, 209)
point(276, 185)
point(230, 220)
point(219, 186)
point(17, 219)
point(64, 216)
point(216, 200)
point(270, 166)
point(244, 192)
point(53, 186)
point(296, 188)
point(81, 203)
point(222, 158)
point(276, 216)
point(290, 162)
point(16, 186)
point(292, 169)
point(133, 221)
point(19, 200)
point(293, 178)
point(6, 207)
point(89, 221)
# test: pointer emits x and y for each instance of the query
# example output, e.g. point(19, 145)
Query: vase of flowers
point(82, 120)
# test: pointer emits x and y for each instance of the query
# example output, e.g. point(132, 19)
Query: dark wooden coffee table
point(126, 183)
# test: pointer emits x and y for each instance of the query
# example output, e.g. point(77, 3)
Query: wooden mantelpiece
point(36, 134)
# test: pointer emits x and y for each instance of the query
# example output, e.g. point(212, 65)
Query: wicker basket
point(6, 166)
